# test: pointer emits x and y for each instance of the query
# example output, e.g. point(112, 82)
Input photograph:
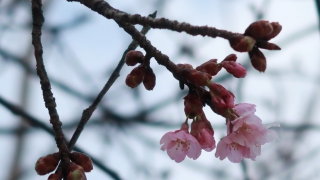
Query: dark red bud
point(185, 66)
point(217, 89)
point(75, 172)
point(259, 29)
point(267, 45)
point(230, 57)
point(47, 164)
point(82, 160)
point(211, 67)
point(149, 80)
point(54, 177)
point(242, 43)
point(198, 78)
point(133, 57)
point(136, 76)
point(276, 30)
point(258, 60)
point(192, 105)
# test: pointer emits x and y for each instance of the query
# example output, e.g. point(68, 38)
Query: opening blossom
point(202, 130)
point(180, 144)
point(245, 136)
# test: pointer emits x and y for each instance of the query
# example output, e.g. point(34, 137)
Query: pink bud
point(258, 60)
point(82, 160)
point(47, 164)
point(202, 130)
point(242, 43)
point(136, 76)
point(220, 97)
point(234, 68)
point(259, 29)
point(133, 57)
point(149, 80)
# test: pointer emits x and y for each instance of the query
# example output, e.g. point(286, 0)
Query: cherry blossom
point(180, 144)
point(245, 136)
point(249, 128)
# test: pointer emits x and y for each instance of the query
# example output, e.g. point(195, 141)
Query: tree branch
point(109, 12)
point(49, 100)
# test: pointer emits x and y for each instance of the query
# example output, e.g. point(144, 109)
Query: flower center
point(233, 146)
point(183, 146)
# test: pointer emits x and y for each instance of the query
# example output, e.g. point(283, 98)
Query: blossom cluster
point(244, 138)
point(245, 131)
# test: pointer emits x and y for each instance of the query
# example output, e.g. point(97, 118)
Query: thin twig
point(116, 73)
point(49, 100)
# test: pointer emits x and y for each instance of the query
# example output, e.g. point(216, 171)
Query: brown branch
point(109, 12)
point(49, 100)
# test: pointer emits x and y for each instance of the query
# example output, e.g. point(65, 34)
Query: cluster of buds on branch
point(257, 36)
point(245, 131)
point(80, 163)
point(142, 73)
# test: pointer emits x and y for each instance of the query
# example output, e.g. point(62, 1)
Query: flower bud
point(259, 29)
point(242, 43)
point(149, 80)
point(217, 89)
point(47, 164)
point(230, 57)
point(211, 67)
point(133, 57)
point(75, 172)
point(258, 60)
point(54, 177)
point(276, 30)
point(82, 160)
point(198, 78)
point(221, 97)
point(192, 105)
point(267, 45)
point(202, 130)
point(193, 76)
point(136, 76)
point(234, 68)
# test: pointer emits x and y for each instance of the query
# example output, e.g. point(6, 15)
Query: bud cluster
point(142, 73)
point(76, 169)
point(257, 36)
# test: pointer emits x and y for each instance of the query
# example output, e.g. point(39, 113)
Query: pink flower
point(180, 144)
point(245, 136)
point(249, 128)
point(202, 130)
point(227, 148)
point(235, 152)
